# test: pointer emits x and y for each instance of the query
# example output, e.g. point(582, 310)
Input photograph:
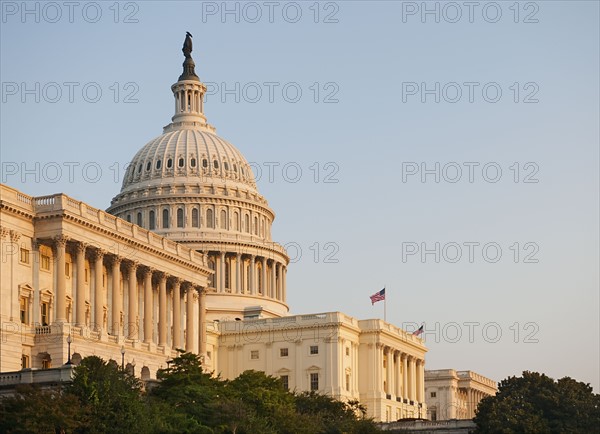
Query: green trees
point(535, 403)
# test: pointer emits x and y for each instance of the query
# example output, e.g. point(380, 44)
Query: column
point(132, 315)
point(117, 296)
point(252, 288)
point(419, 396)
point(273, 293)
point(202, 322)
point(60, 243)
point(98, 299)
point(221, 282)
point(284, 283)
point(238, 273)
point(412, 378)
point(175, 290)
point(398, 365)
point(162, 309)
point(148, 305)
point(80, 289)
point(388, 371)
point(404, 376)
point(278, 282)
point(189, 319)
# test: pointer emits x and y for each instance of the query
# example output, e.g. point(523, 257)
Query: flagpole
point(385, 305)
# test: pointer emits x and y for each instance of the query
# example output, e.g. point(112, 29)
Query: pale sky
point(357, 107)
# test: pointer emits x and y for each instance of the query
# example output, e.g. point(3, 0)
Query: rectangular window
point(314, 349)
point(254, 355)
point(433, 415)
point(283, 352)
point(44, 313)
point(46, 364)
point(314, 381)
point(45, 262)
point(348, 382)
point(285, 380)
point(24, 361)
point(24, 257)
point(67, 269)
point(24, 310)
point(433, 394)
point(347, 351)
point(87, 273)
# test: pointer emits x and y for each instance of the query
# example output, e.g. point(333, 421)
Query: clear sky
point(499, 101)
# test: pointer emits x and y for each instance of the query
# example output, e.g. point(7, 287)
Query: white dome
point(195, 154)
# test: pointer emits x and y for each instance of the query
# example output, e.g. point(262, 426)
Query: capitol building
point(183, 258)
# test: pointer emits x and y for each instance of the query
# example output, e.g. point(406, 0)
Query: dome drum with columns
point(190, 185)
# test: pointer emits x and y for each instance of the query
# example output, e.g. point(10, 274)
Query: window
point(255, 225)
point(45, 262)
point(24, 257)
point(139, 219)
point(139, 168)
point(180, 218)
point(247, 223)
point(227, 274)
point(67, 269)
point(347, 351)
point(24, 310)
point(314, 381)
point(193, 162)
point(151, 220)
point(223, 219)
point(234, 168)
point(205, 163)
point(225, 165)
point(285, 380)
point(210, 223)
point(165, 219)
point(314, 349)
point(158, 164)
point(348, 382)
point(148, 166)
point(195, 220)
point(254, 355)
point(44, 308)
point(283, 352)
point(24, 361)
point(128, 218)
point(236, 221)
point(181, 162)
point(169, 163)
point(216, 164)
point(433, 416)
point(46, 364)
point(433, 394)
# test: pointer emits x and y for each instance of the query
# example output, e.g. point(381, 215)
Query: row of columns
point(473, 398)
point(246, 280)
point(167, 286)
point(405, 375)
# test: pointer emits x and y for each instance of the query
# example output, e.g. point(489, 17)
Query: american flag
point(378, 296)
point(418, 331)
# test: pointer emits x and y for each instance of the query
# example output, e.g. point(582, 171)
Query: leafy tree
point(535, 403)
point(32, 409)
point(110, 398)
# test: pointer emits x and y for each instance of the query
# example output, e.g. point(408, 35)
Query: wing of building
point(183, 258)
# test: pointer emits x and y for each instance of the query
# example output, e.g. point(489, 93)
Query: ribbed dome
point(188, 153)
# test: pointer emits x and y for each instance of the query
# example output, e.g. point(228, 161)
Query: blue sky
point(362, 143)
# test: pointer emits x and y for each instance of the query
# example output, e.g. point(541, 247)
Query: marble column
point(162, 309)
point(284, 284)
point(404, 376)
point(98, 291)
point(176, 293)
point(80, 288)
point(238, 273)
point(273, 293)
point(148, 307)
point(132, 316)
point(189, 319)
point(60, 243)
point(388, 370)
point(278, 282)
point(117, 296)
point(252, 288)
point(398, 374)
point(264, 276)
point(412, 378)
point(419, 398)
point(202, 322)
point(221, 282)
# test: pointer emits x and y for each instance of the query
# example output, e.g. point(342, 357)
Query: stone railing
point(62, 202)
point(474, 376)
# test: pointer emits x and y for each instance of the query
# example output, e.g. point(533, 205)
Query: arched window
point(236, 221)
point(181, 162)
point(226, 165)
point(262, 227)
point(195, 220)
point(180, 218)
point(151, 221)
point(210, 220)
point(139, 168)
point(169, 163)
point(193, 162)
point(247, 223)
point(148, 166)
point(205, 163)
point(129, 218)
point(158, 164)
point(255, 225)
point(165, 219)
point(216, 164)
point(223, 219)
point(139, 219)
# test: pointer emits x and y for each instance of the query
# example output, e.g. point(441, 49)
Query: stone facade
point(454, 394)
